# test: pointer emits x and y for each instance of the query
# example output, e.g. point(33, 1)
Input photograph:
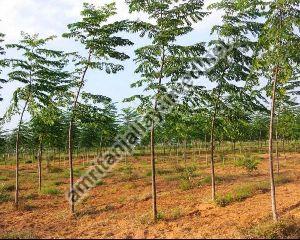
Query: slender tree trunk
point(206, 150)
point(70, 149)
point(154, 207)
point(277, 143)
point(212, 165)
point(70, 135)
point(40, 164)
point(273, 193)
point(17, 156)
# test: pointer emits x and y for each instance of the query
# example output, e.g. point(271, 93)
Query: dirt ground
point(121, 206)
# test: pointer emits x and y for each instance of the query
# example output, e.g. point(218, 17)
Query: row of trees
point(253, 55)
point(179, 127)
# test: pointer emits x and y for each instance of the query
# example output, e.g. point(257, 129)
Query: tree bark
point(272, 182)
point(154, 207)
point(40, 164)
point(70, 136)
point(212, 165)
point(17, 156)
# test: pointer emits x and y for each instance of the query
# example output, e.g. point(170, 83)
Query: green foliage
point(287, 228)
point(2, 61)
point(245, 191)
point(6, 187)
point(225, 200)
point(163, 58)
point(18, 235)
point(47, 190)
point(250, 163)
point(55, 170)
point(40, 71)
point(185, 184)
point(4, 192)
point(5, 197)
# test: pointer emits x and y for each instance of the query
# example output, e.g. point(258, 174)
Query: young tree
point(278, 60)
point(46, 127)
point(96, 121)
point(231, 69)
point(40, 71)
point(164, 61)
point(101, 44)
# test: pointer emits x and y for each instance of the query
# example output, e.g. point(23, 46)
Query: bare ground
point(121, 207)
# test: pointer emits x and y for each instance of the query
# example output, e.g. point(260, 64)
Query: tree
point(96, 121)
point(278, 60)
point(231, 69)
point(101, 44)
point(164, 62)
point(40, 71)
point(2, 61)
point(46, 126)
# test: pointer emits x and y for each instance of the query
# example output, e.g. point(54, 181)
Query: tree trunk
point(277, 150)
point(17, 156)
point(154, 208)
point(70, 149)
point(206, 150)
point(212, 165)
point(70, 145)
point(40, 165)
point(273, 193)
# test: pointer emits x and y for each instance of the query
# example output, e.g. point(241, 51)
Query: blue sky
point(50, 17)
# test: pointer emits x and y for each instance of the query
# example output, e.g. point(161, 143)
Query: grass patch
point(283, 229)
point(58, 183)
point(100, 183)
point(224, 200)
point(55, 170)
point(207, 180)
point(4, 178)
point(5, 197)
point(50, 191)
point(248, 190)
point(171, 178)
point(18, 235)
point(186, 185)
point(6, 187)
point(174, 214)
point(162, 172)
point(31, 196)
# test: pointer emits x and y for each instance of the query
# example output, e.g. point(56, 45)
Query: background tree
point(278, 60)
point(230, 71)
point(2, 61)
point(164, 61)
point(40, 70)
point(101, 43)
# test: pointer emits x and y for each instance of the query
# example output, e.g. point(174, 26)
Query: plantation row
point(222, 86)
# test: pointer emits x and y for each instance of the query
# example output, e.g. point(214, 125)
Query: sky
point(50, 17)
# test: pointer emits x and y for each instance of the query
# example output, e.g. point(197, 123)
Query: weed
point(185, 185)
point(250, 163)
point(5, 197)
point(225, 200)
point(55, 170)
point(175, 214)
point(50, 191)
point(5, 187)
point(58, 183)
point(288, 228)
point(19, 235)
point(100, 183)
